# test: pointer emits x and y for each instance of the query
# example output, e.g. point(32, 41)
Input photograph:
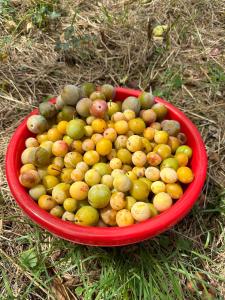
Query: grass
point(45, 44)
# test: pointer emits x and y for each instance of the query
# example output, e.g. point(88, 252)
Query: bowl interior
point(114, 236)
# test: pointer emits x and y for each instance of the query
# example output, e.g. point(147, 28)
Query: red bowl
point(114, 236)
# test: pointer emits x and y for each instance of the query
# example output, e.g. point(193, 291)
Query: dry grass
point(113, 44)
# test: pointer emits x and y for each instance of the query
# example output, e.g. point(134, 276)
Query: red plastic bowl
point(114, 236)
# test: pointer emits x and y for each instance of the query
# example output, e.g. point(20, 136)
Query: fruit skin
point(121, 141)
point(115, 163)
point(31, 142)
point(185, 175)
point(153, 210)
point(163, 150)
point(174, 143)
point(60, 192)
point(108, 90)
point(70, 204)
point(97, 96)
point(47, 145)
point(60, 148)
point(62, 127)
point(57, 211)
point(118, 116)
point(104, 147)
point(130, 202)
point(59, 103)
point(42, 172)
point(182, 138)
point(137, 125)
point(46, 202)
point(87, 89)
point(131, 175)
point(139, 158)
point(65, 175)
point(54, 134)
point(107, 180)
point(87, 216)
point(146, 100)
point(82, 166)
point(160, 110)
point(170, 162)
point(158, 187)
point(71, 159)
point(154, 159)
point(174, 190)
point(131, 103)
point(149, 133)
point(47, 110)
point(129, 114)
point(37, 124)
point(49, 182)
point(88, 130)
point(161, 137)
point(26, 168)
point(134, 143)
point(42, 157)
point(29, 178)
point(139, 190)
point(121, 127)
point(139, 171)
point(116, 173)
point(76, 146)
point(43, 137)
point(37, 191)
point(124, 218)
point(92, 177)
point(108, 215)
point(110, 134)
point(68, 216)
point(117, 201)
point(68, 113)
point(99, 125)
point(125, 156)
point(149, 116)
point(185, 149)
point(77, 175)
point(79, 190)
point(168, 175)
point(182, 159)
point(83, 107)
point(147, 181)
point(162, 201)
point(113, 107)
point(156, 125)
point(122, 183)
point(147, 147)
point(70, 94)
point(99, 196)
point(152, 173)
point(140, 211)
point(171, 126)
point(28, 155)
point(75, 129)
point(68, 140)
point(98, 108)
point(91, 157)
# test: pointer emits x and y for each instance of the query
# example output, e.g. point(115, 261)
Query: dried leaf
point(1, 226)
point(29, 26)
point(59, 290)
point(215, 52)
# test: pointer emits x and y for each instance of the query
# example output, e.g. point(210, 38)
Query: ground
point(46, 44)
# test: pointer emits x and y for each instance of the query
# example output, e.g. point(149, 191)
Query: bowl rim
point(109, 236)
